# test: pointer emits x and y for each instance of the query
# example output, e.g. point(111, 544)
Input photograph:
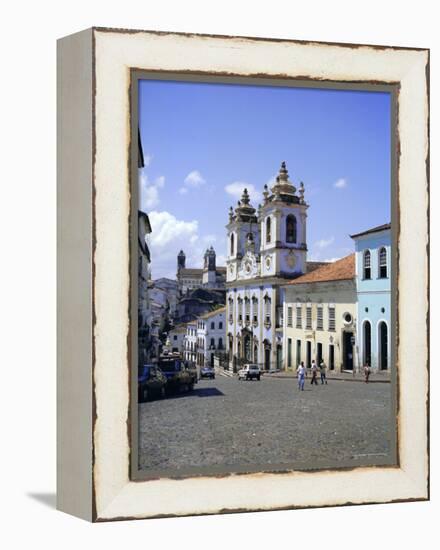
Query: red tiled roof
point(340, 270)
point(311, 266)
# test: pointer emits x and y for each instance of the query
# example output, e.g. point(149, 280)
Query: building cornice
point(257, 281)
point(321, 285)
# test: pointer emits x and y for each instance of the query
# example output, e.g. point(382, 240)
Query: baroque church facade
point(210, 276)
point(266, 246)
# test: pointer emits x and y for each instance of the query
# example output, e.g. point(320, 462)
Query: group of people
point(302, 374)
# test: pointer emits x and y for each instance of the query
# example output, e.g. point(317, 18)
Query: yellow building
point(319, 317)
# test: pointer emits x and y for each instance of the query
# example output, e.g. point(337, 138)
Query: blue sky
point(204, 142)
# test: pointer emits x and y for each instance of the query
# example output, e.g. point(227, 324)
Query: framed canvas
point(180, 387)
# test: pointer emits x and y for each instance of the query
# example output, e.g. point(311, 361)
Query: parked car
point(207, 372)
point(249, 372)
point(179, 378)
point(151, 383)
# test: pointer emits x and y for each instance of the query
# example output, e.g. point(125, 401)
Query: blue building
point(373, 285)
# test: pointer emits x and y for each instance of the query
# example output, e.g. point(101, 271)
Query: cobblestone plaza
point(231, 424)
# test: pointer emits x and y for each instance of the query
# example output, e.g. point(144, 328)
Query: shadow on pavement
point(198, 392)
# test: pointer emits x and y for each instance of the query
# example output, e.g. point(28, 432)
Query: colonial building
point(373, 282)
point(198, 302)
point(147, 341)
point(210, 276)
point(211, 332)
point(320, 317)
point(265, 248)
point(144, 302)
point(169, 288)
point(190, 342)
point(177, 338)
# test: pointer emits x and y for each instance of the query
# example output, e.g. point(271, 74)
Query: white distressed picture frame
point(94, 133)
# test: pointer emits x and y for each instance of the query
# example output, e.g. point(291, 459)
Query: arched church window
point(383, 271)
point(268, 230)
point(247, 307)
point(291, 229)
point(255, 310)
point(240, 309)
point(267, 310)
point(232, 244)
point(367, 264)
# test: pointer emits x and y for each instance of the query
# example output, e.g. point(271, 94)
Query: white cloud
point(341, 183)
point(150, 198)
point(166, 228)
point(236, 189)
point(160, 181)
point(183, 190)
point(194, 179)
point(147, 159)
point(323, 243)
point(169, 235)
point(149, 191)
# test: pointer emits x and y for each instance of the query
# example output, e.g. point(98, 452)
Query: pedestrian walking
point(314, 373)
point(301, 372)
point(367, 372)
point(322, 370)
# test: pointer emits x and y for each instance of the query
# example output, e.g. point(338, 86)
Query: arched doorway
point(267, 350)
point(347, 358)
point(308, 354)
point(383, 346)
point(255, 353)
point(247, 347)
point(279, 357)
point(367, 343)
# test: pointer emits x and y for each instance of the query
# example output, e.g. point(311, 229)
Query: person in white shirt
point(301, 372)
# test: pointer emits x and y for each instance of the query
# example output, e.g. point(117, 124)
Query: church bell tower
point(181, 258)
point(283, 218)
point(243, 234)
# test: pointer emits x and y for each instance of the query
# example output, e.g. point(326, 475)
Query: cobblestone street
point(228, 423)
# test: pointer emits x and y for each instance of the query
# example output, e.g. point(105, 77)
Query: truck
point(180, 377)
point(151, 383)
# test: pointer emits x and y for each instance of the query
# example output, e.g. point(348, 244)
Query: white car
point(249, 372)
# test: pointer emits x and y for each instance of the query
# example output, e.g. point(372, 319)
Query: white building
point(211, 336)
point(190, 342)
point(177, 338)
point(320, 317)
point(168, 287)
point(264, 249)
